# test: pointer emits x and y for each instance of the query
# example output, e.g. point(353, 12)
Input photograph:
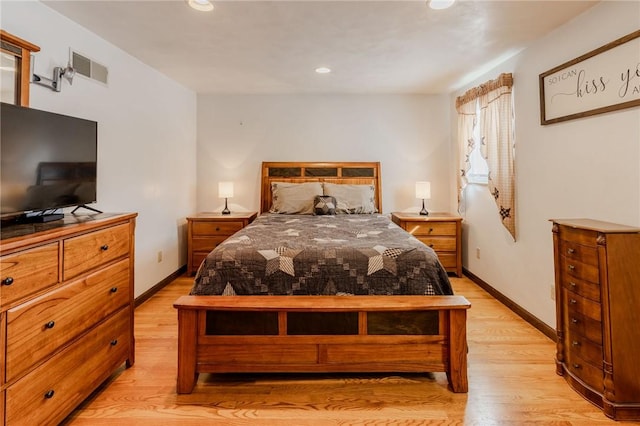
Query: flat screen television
point(47, 162)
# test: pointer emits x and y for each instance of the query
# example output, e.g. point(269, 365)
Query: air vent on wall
point(89, 68)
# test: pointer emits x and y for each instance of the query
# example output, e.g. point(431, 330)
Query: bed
point(369, 298)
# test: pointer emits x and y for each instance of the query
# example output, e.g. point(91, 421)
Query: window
point(479, 171)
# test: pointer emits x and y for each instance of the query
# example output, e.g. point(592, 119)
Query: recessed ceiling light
point(440, 4)
point(323, 70)
point(201, 5)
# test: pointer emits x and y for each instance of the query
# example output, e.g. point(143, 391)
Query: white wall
point(146, 133)
point(407, 134)
point(580, 168)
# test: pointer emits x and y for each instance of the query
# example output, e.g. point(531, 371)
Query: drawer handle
point(576, 365)
point(430, 230)
point(572, 268)
point(114, 342)
point(113, 289)
point(431, 245)
point(49, 394)
point(575, 343)
point(104, 247)
point(573, 301)
point(571, 251)
point(574, 321)
point(7, 281)
point(217, 228)
point(50, 324)
point(573, 285)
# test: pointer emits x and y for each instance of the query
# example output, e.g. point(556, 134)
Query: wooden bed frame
point(319, 334)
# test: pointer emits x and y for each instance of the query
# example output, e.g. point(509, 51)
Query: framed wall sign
point(603, 80)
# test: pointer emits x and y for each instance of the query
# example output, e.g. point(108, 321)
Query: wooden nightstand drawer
point(581, 287)
point(431, 228)
point(19, 276)
point(49, 392)
point(217, 228)
point(37, 328)
point(92, 250)
point(574, 251)
point(207, 244)
point(440, 243)
point(448, 260)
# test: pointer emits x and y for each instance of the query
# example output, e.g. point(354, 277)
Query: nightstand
point(440, 231)
point(206, 230)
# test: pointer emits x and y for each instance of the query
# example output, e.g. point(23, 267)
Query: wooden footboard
point(235, 334)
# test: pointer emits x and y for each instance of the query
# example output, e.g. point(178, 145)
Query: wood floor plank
point(512, 381)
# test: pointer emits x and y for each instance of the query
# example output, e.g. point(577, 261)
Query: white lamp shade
point(225, 189)
point(423, 190)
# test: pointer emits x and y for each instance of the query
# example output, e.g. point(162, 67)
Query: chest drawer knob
point(7, 281)
point(572, 285)
point(575, 343)
point(113, 289)
point(114, 342)
point(574, 321)
point(571, 251)
point(104, 247)
point(49, 394)
point(573, 301)
point(572, 268)
point(576, 365)
point(50, 324)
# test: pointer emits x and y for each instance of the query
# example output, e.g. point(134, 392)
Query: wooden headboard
point(357, 173)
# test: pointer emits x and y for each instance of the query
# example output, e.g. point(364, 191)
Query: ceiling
point(372, 47)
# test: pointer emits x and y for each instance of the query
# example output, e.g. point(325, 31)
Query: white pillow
point(352, 199)
point(294, 198)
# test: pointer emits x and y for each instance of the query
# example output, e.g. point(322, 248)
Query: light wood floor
point(512, 381)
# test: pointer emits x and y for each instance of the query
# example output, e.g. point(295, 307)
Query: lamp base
point(226, 209)
point(424, 211)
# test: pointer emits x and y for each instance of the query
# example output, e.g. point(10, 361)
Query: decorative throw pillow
point(294, 198)
point(324, 204)
point(352, 199)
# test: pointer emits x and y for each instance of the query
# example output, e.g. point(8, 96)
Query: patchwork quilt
point(322, 255)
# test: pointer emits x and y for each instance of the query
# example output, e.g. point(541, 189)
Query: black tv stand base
point(85, 207)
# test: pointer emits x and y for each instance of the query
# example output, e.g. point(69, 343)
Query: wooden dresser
point(597, 274)
point(66, 312)
point(207, 230)
point(440, 231)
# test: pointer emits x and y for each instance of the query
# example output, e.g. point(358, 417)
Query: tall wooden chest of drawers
point(597, 274)
point(207, 230)
point(440, 231)
point(66, 313)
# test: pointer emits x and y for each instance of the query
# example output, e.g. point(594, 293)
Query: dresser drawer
point(216, 227)
point(50, 392)
point(582, 305)
point(440, 243)
point(583, 237)
point(206, 244)
point(574, 251)
point(580, 270)
point(94, 249)
point(28, 272)
point(39, 327)
point(591, 375)
point(584, 326)
point(431, 228)
point(585, 349)
point(581, 287)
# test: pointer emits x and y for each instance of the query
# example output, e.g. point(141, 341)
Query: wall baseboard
point(156, 288)
point(517, 309)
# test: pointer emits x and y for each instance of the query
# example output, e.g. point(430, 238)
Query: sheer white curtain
point(496, 130)
point(466, 142)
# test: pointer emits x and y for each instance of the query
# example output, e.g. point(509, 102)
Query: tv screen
point(47, 160)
